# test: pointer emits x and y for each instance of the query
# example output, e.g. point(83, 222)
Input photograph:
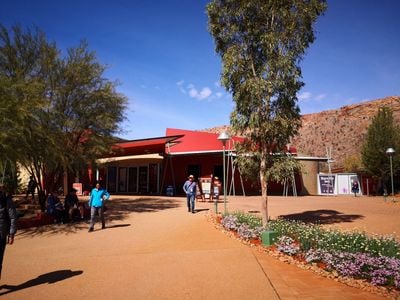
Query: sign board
point(206, 187)
point(78, 187)
point(205, 184)
point(326, 184)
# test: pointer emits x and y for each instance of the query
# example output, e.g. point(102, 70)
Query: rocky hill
point(343, 130)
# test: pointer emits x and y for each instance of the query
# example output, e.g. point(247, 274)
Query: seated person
point(55, 207)
point(72, 205)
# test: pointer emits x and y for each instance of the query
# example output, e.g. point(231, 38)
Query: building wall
point(209, 164)
point(173, 171)
point(309, 177)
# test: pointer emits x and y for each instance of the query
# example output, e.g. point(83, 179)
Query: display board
point(78, 187)
point(326, 184)
point(205, 187)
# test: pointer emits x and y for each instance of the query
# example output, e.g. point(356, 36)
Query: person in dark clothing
point(55, 208)
point(355, 188)
point(8, 223)
point(72, 205)
point(31, 188)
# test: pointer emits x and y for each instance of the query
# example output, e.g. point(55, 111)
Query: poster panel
point(326, 184)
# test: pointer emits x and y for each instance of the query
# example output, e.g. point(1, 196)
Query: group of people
point(73, 207)
point(68, 210)
point(8, 212)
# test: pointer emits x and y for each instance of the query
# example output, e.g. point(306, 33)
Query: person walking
point(31, 188)
point(96, 203)
point(355, 187)
point(190, 190)
point(8, 223)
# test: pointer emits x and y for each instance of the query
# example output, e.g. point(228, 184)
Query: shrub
point(379, 270)
point(288, 245)
point(246, 226)
point(353, 254)
point(311, 236)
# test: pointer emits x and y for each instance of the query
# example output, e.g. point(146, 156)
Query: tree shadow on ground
point(118, 209)
point(322, 216)
point(49, 278)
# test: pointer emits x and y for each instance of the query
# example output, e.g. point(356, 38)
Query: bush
point(354, 254)
point(311, 236)
point(379, 270)
point(247, 226)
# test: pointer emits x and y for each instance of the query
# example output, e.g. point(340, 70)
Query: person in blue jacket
point(96, 203)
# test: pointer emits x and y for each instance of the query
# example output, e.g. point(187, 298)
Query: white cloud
point(304, 96)
point(193, 92)
point(320, 97)
point(205, 93)
point(180, 86)
point(219, 94)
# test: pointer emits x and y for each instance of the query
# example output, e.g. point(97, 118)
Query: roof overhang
point(141, 147)
point(153, 157)
point(313, 158)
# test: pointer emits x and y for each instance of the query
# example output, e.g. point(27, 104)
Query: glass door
point(122, 180)
point(133, 180)
point(143, 179)
point(112, 179)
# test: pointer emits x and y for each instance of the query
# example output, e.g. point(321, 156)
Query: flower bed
point(349, 254)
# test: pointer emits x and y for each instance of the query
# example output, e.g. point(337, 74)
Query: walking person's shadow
point(49, 278)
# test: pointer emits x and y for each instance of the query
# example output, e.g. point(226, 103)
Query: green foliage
point(382, 134)
point(57, 112)
point(312, 236)
point(248, 219)
point(9, 176)
point(261, 44)
point(352, 163)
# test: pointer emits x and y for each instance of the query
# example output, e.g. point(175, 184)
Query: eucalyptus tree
point(261, 43)
point(382, 133)
point(86, 108)
point(23, 56)
point(60, 112)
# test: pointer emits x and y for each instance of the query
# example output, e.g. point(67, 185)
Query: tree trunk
point(264, 193)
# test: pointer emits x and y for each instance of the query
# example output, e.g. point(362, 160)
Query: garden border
point(273, 252)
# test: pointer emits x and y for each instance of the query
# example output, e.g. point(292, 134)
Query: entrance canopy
point(143, 146)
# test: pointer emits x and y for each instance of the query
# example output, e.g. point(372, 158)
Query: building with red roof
point(153, 165)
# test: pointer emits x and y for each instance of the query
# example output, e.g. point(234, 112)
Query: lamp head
point(390, 151)
point(224, 137)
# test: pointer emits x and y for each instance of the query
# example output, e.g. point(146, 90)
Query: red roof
point(198, 141)
point(181, 141)
point(143, 146)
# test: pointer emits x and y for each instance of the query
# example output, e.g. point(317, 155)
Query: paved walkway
point(153, 248)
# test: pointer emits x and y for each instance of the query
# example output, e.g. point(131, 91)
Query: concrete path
point(152, 248)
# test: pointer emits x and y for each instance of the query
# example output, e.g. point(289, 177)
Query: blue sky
point(163, 56)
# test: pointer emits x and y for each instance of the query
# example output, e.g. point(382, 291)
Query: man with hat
point(8, 222)
point(190, 189)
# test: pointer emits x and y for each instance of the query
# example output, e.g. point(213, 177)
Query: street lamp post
point(223, 137)
point(390, 152)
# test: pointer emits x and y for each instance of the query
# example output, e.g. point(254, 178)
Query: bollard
point(269, 237)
